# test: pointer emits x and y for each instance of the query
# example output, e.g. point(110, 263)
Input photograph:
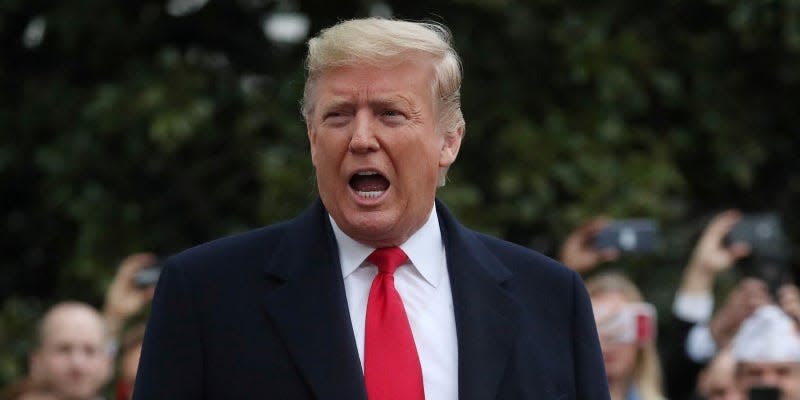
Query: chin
point(375, 229)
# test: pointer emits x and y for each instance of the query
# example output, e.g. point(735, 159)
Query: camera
point(630, 235)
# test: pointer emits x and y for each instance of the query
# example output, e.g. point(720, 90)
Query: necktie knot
point(387, 259)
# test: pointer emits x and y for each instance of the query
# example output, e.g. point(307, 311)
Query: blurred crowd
point(79, 350)
point(747, 347)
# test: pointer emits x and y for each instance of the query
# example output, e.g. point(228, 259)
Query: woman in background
point(626, 326)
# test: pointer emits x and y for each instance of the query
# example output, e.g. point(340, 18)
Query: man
point(71, 359)
point(767, 353)
point(317, 307)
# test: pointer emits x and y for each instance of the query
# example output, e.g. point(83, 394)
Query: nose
point(363, 139)
point(770, 379)
point(79, 358)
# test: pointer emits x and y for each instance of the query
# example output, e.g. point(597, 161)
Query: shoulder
point(512, 258)
point(251, 249)
point(523, 261)
point(232, 247)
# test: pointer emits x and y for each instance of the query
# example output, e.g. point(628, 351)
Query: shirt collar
point(424, 248)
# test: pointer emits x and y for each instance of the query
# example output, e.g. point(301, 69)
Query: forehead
point(410, 78)
point(609, 298)
point(73, 325)
point(769, 366)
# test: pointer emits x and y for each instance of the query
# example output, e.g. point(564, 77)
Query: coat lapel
point(484, 311)
point(309, 308)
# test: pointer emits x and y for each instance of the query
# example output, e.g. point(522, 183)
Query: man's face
point(785, 375)
point(72, 361)
point(377, 149)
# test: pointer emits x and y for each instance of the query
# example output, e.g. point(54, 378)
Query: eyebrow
point(391, 101)
point(382, 101)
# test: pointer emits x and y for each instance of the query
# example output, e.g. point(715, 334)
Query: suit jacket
point(263, 314)
point(680, 371)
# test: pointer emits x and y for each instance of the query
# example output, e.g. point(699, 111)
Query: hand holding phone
point(763, 232)
point(769, 257)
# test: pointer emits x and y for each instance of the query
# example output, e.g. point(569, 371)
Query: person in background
point(129, 352)
point(626, 326)
point(76, 344)
point(125, 299)
point(691, 340)
point(71, 359)
point(767, 352)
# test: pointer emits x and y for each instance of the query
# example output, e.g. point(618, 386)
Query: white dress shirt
point(697, 308)
point(424, 285)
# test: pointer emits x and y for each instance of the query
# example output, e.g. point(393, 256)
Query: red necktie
point(391, 366)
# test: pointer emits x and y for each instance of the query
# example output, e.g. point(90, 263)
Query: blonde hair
point(386, 43)
point(647, 372)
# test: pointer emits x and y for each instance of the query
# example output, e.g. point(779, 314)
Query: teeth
point(370, 195)
point(367, 173)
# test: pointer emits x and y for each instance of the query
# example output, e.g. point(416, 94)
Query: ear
point(450, 146)
point(34, 366)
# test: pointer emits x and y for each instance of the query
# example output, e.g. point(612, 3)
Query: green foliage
point(129, 129)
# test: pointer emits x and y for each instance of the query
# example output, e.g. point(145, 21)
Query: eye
point(393, 115)
point(64, 348)
point(335, 118)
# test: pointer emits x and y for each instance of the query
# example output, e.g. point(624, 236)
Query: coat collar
point(309, 308)
point(485, 313)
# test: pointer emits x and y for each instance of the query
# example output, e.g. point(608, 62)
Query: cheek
point(425, 154)
point(792, 382)
point(58, 363)
point(627, 355)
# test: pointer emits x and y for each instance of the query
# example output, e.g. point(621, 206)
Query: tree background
point(160, 124)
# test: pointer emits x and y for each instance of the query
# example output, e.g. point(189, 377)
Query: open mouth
point(369, 184)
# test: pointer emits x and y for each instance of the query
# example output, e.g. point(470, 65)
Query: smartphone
point(147, 276)
point(764, 393)
point(763, 232)
point(630, 236)
point(769, 258)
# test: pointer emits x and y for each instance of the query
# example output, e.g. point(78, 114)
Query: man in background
point(76, 344)
point(767, 353)
point(72, 359)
